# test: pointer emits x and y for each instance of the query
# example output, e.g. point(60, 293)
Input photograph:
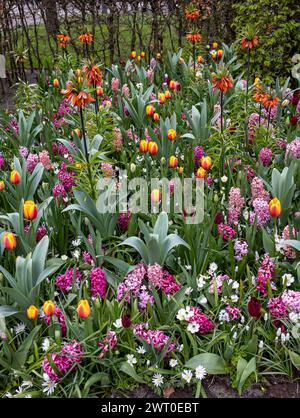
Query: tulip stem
point(247, 93)
point(86, 152)
point(222, 112)
point(96, 100)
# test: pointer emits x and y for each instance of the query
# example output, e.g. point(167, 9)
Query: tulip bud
point(83, 309)
point(2, 185)
point(206, 163)
point(133, 54)
point(55, 83)
point(126, 321)
point(155, 196)
point(78, 72)
point(220, 53)
point(78, 166)
point(15, 177)
point(143, 146)
point(143, 54)
point(32, 312)
point(76, 131)
point(181, 170)
point(201, 173)
point(172, 85)
point(49, 308)
point(275, 207)
point(215, 45)
point(171, 134)
point(200, 59)
point(9, 241)
point(161, 98)
point(158, 56)
point(99, 91)
point(150, 110)
point(168, 95)
point(254, 308)
point(173, 161)
point(156, 117)
point(30, 210)
point(132, 167)
point(153, 148)
point(163, 160)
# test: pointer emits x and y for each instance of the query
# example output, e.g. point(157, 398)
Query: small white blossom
point(48, 385)
point(212, 268)
point(187, 375)
point(224, 179)
point(131, 359)
point(287, 279)
point(140, 350)
point(203, 300)
point(157, 380)
point(234, 298)
point(173, 363)
point(188, 291)
point(19, 328)
point(180, 347)
point(118, 323)
point(200, 372)
point(261, 344)
point(46, 344)
point(193, 327)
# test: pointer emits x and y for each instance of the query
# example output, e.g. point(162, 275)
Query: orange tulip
point(161, 98)
point(9, 241)
point(76, 131)
point(200, 59)
point(2, 185)
point(201, 173)
point(30, 210)
point(49, 308)
point(181, 170)
point(206, 163)
point(156, 117)
point(55, 83)
point(220, 53)
point(275, 208)
point(144, 146)
point(83, 309)
point(153, 148)
point(32, 312)
point(155, 196)
point(99, 91)
point(168, 95)
point(150, 110)
point(172, 85)
point(133, 54)
point(15, 177)
point(173, 161)
point(143, 54)
point(171, 134)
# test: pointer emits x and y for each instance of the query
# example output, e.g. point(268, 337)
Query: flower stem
point(247, 93)
point(86, 153)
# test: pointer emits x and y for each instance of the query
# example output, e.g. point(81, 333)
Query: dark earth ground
point(220, 387)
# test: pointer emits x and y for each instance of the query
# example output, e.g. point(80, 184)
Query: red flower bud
point(254, 308)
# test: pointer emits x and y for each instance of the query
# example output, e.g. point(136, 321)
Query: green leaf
point(295, 359)
point(213, 363)
point(6, 310)
point(129, 369)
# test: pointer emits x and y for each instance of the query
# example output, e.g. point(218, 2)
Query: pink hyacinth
point(258, 191)
point(236, 202)
point(240, 249)
point(233, 312)
point(132, 282)
point(65, 281)
point(70, 354)
point(98, 283)
point(227, 232)
point(217, 283)
point(31, 162)
point(124, 219)
point(115, 84)
point(107, 169)
point(277, 307)
point(45, 159)
point(265, 274)
point(162, 279)
point(109, 342)
point(87, 257)
point(117, 139)
point(157, 338)
point(23, 151)
point(291, 299)
point(58, 314)
point(265, 156)
point(289, 233)
point(40, 233)
point(145, 298)
point(261, 212)
point(199, 318)
point(125, 90)
point(59, 191)
point(293, 149)
point(66, 178)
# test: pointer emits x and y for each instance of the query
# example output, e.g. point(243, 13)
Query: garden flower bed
point(107, 288)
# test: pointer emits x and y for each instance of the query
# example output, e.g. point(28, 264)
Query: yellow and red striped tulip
point(201, 173)
point(150, 110)
point(9, 241)
point(144, 146)
point(153, 148)
point(15, 177)
point(173, 161)
point(55, 83)
point(32, 312)
point(206, 163)
point(30, 210)
point(275, 207)
point(155, 196)
point(171, 134)
point(49, 308)
point(83, 309)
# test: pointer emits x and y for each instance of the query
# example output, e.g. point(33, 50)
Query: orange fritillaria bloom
point(222, 83)
point(249, 43)
point(194, 38)
point(79, 99)
point(269, 101)
point(63, 40)
point(86, 38)
point(93, 74)
point(192, 14)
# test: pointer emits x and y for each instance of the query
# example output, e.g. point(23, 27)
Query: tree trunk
point(52, 22)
